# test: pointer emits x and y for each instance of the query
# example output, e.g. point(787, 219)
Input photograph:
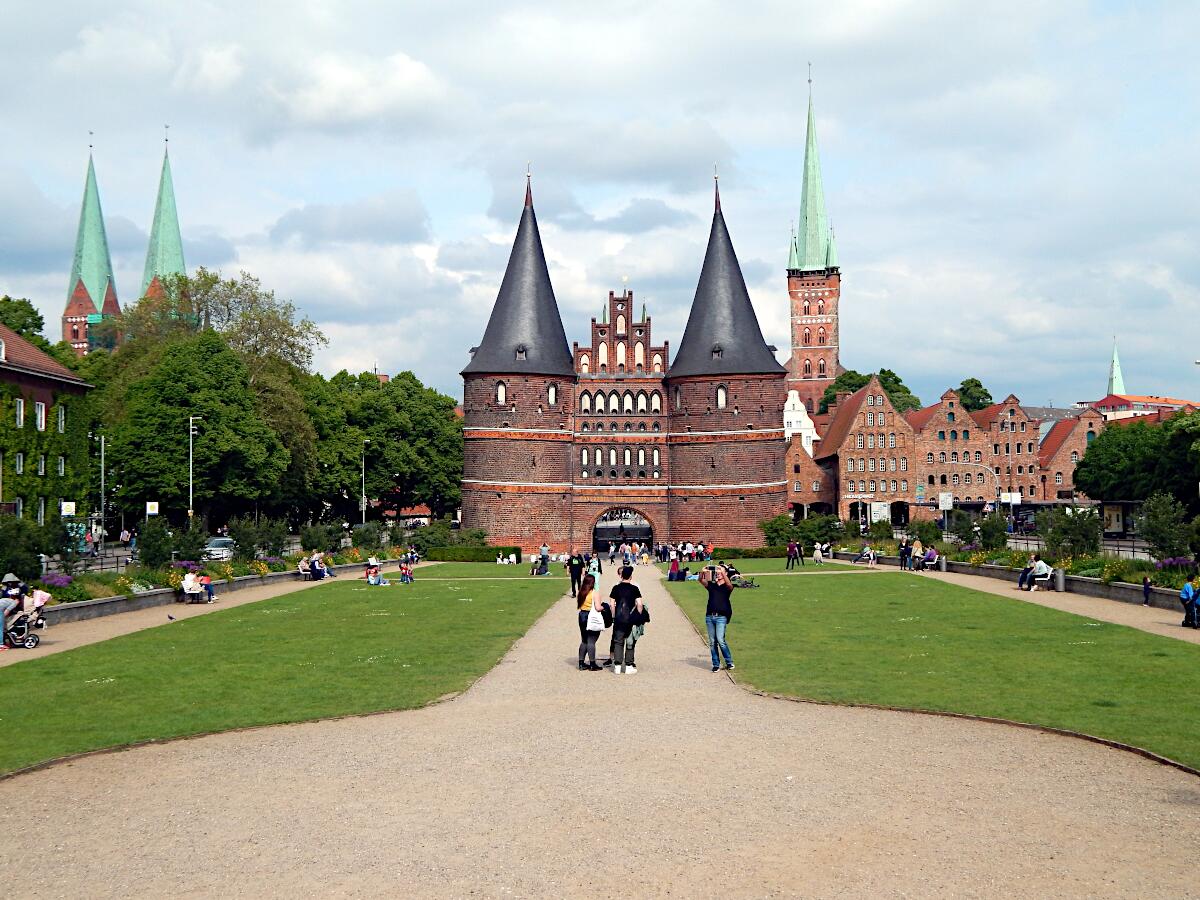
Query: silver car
point(219, 548)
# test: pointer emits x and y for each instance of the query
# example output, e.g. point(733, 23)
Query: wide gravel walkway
point(543, 781)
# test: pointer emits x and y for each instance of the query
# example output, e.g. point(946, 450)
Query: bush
point(880, 531)
point(154, 543)
point(440, 534)
point(993, 532)
point(925, 531)
point(463, 553)
point(188, 543)
point(63, 588)
point(272, 537)
point(367, 537)
point(781, 529)
point(1070, 531)
point(246, 535)
point(1163, 526)
point(775, 551)
point(20, 543)
point(324, 537)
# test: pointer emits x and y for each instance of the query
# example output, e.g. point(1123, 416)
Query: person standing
point(818, 556)
point(575, 566)
point(627, 613)
point(793, 551)
point(905, 553)
point(718, 614)
point(1145, 590)
point(1188, 597)
point(591, 623)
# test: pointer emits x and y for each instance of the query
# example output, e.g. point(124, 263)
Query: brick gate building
point(557, 438)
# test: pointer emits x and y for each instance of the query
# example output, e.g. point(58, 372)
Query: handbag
point(595, 621)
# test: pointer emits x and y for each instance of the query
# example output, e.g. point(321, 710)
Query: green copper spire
point(813, 239)
point(92, 264)
point(831, 260)
point(793, 253)
point(1116, 381)
point(164, 256)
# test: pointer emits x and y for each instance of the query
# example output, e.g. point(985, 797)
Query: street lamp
point(364, 480)
point(192, 420)
point(101, 438)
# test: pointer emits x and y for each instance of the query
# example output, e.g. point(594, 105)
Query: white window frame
point(39, 415)
point(62, 465)
point(19, 464)
point(62, 419)
point(20, 412)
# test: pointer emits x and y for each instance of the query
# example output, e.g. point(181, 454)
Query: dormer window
point(521, 353)
point(717, 351)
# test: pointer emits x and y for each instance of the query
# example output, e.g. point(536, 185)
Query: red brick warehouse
point(561, 440)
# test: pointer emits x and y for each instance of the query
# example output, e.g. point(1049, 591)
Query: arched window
point(821, 336)
point(871, 441)
point(942, 479)
point(600, 404)
point(599, 455)
point(966, 434)
point(820, 307)
point(807, 338)
point(967, 478)
point(892, 439)
point(585, 402)
point(942, 456)
point(870, 399)
point(1058, 479)
point(954, 456)
point(1074, 456)
point(585, 363)
point(929, 459)
point(620, 354)
point(808, 367)
point(657, 362)
point(627, 456)
point(678, 398)
point(639, 354)
point(978, 456)
point(859, 442)
point(628, 407)
point(612, 456)
point(722, 396)
point(807, 308)
point(501, 393)
point(904, 465)
point(614, 404)
point(641, 457)
point(871, 464)
point(620, 327)
point(602, 356)
point(552, 395)
point(656, 402)
point(642, 402)
point(954, 434)
point(654, 456)
point(949, 417)
point(820, 367)
point(583, 457)
point(870, 418)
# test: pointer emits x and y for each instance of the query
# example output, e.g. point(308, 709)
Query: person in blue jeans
point(719, 613)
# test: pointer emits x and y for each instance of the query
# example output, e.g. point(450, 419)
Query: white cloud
point(212, 69)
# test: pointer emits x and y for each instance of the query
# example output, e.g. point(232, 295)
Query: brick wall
point(821, 291)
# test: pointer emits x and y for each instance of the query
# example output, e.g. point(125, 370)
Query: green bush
point(1070, 531)
point(154, 543)
point(880, 531)
point(72, 593)
point(440, 534)
point(781, 529)
point(927, 532)
point(189, 542)
point(367, 537)
point(245, 533)
point(463, 553)
point(272, 536)
point(322, 536)
point(20, 543)
point(772, 552)
point(993, 532)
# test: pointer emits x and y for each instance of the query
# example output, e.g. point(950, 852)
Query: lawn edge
point(948, 714)
point(151, 742)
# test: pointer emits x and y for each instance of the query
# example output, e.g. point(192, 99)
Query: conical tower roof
point(812, 251)
point(164, 256)
point(92, 265)
point(525, 332)
point(1116, 381)
point(722, 336)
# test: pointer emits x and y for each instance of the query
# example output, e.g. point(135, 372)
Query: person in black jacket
point(575, 565)
point(719, 613)
point(627, 613)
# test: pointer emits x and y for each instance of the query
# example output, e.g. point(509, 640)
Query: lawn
point(481, 570)
point(335, 649)
point(767, 566)
point(907, 641)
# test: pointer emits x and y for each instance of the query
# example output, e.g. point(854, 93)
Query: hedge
point(778, 551)
point(471, 554)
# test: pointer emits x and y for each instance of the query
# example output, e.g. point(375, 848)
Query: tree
point(973, 395)
point(22, 317)
point(1122, 463)
point(1163, 526)
point(20, 543)
point(1070, 530)
point(154, 543)
point(781, 529)
point(993, 532)
point(850, 381)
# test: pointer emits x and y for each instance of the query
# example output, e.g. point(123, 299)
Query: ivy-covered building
point(43, 439)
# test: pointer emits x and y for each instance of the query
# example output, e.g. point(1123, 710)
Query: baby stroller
point(20, 631)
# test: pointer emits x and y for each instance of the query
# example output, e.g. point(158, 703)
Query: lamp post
point(192, 420)
point(102, 493)
point(364, 480)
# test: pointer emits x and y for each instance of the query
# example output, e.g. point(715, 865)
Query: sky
point(1011, 184)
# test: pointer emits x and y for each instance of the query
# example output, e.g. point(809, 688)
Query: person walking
point(718, 614)
point(627, 613)
point(591, 623)
point(1188, 597)
point(793, 551)
point(575, 565)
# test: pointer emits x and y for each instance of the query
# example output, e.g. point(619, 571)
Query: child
point(206, 583)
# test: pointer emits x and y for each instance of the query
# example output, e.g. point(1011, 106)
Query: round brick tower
point(518, 398)
point(725, 390)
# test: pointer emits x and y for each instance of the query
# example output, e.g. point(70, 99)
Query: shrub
point(993, 532)
point(880, 531)
point(461, 553)
point(20, 543)
point(323, 537)
point(775, 551)
point(925, 531)
point(70, 592)
point(246, 535)
point(1164, 527)
point(154, 543)
point(781, 529)
point(367, 537)
point(272, 537)
point(1070, 531)
point(189, 542)
point(440, 534)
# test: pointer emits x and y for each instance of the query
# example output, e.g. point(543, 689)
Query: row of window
point(1005, 425)
point(626, 455)
point(966, 434)
point(39, 415)
point(1008, 448)
point(868, 464)
point(639, 358)
point(883, 486)
point(808, 367)
point(816, 486)
point(613, 473)
point(820, 308)
point(871, 441)
point(879, 418)
point(966, 457)
point(806, 337)
point(616, 403)
point(641, 426)
point(19, 503)
point(19, 464)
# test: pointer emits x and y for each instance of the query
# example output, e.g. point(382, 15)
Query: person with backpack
point(1188, 597)
point(627, 613)
point(591, 623)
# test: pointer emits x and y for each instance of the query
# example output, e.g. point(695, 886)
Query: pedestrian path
point(544, 781)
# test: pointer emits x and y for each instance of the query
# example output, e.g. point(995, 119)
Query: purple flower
point(56, 580)
point(186, 565)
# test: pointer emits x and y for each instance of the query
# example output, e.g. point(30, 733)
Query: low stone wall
point(110, 606)
point(1162, 598)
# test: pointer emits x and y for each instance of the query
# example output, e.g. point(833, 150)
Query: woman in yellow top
point(591, 622)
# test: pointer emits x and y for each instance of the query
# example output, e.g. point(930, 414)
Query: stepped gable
point(843, 420)
point(722, 336)
point(524, 335)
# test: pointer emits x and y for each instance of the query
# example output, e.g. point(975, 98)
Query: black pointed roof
point(524, 335)
point(722, 336)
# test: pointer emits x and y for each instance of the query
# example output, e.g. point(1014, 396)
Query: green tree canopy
point(973, 395)
point(22, 317)
point(850, 381)
point(1122, 462)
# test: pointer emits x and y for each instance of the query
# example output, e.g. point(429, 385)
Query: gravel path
point(543, 781)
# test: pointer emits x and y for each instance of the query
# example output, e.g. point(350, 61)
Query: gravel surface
point(543, 781)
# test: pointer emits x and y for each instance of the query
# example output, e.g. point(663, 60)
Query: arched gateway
point(620, 525)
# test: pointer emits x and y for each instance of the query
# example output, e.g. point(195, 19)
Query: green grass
point(907, 641)
point(336, 649)
point(480, 570)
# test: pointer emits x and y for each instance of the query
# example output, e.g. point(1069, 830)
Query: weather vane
point(90, 140)
point(166, 134)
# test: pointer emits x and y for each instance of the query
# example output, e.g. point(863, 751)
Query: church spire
point(164, 255)
point(91, 269)
point(1116, 381)
point(525, 332)
point(814, 237)
point(722, 336)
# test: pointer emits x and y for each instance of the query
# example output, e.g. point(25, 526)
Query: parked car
point(219, 548)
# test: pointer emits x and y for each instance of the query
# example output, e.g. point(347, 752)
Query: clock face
point(620, 306)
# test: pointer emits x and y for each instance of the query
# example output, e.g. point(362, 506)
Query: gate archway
point(621, 525)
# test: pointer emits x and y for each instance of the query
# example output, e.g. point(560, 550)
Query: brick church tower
point(92, 284)
point(814, 286)
point(518, 402)
point(726, 391)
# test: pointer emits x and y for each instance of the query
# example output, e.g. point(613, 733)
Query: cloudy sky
point(1011, 183)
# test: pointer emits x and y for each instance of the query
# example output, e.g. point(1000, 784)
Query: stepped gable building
point(573, 447)
point(954, 453)
point(92, 291)
point(814, 286)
